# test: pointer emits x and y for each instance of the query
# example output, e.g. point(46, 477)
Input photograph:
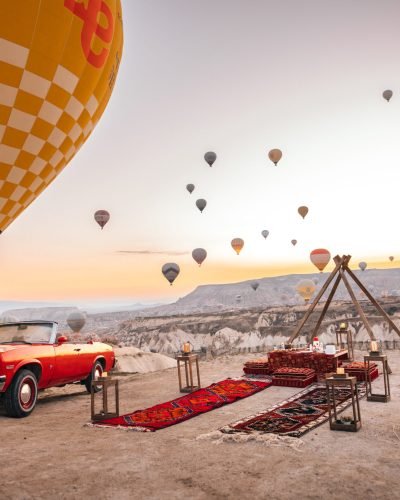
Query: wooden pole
point(373, 300)
point(338, 260)
point(327, 304)
point(357, 305)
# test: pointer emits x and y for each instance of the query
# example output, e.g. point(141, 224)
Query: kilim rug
point(188, 406)
point(295, 416)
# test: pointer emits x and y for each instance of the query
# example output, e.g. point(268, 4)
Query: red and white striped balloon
point(320, 258)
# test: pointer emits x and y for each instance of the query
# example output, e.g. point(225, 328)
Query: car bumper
point(2, 382)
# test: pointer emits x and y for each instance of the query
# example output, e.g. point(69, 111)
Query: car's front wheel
point(20, 398)
point(97, 371)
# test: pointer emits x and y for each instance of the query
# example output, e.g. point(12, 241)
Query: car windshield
point(21, 333)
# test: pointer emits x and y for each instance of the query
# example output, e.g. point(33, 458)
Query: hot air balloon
point(305, 288)
point(391, 258)
point(275, 155)
point(170, 271)
point(199, 255)
point(210, 158)
point(201, 204)
point(387, 94)
point(320, 258)
point(190, 188)
point(237, 244)
point(254, 285)
point(59, 62)
point(101, 217)
point(76, 321)
point(265, 233)
point(362, 265)
point(303, 211)
point(294, 242)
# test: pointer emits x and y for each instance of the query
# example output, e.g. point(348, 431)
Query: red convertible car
point(34, 357)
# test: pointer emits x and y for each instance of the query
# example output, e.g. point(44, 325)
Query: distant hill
point(254, 329)
point(58, 314)
point(274, 291)
point(7, 305)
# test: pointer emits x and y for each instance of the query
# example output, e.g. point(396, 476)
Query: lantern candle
point(340, 371)
point(186, 348)
point(374, 346)
point(104, 374)
point(342, 326)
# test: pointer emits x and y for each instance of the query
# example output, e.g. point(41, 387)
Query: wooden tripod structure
point(340, 271)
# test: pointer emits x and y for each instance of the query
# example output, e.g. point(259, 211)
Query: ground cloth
point(295, 416)
point(188, 406)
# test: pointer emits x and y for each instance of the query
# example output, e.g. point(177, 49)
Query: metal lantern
point(187, 348)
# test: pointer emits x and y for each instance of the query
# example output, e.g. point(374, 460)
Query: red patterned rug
point(295, 416)
point(188, 406)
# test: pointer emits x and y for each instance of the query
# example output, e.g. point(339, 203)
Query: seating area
point(299, 368)
point(357, 369)
point(319, 362)
point(294, 377)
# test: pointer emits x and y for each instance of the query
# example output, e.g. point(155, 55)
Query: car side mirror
point(62, 339)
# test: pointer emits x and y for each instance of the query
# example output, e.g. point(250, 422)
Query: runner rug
point(188, 406)
point(295, 416)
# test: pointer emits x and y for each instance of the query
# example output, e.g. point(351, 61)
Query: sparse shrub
point(391, 310)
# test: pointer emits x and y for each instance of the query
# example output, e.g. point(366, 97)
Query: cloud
point(151, 252)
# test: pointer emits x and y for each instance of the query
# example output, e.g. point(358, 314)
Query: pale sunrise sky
point(238, 77)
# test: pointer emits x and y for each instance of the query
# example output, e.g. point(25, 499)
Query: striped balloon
point(320, 258)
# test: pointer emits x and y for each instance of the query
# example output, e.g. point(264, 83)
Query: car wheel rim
point(98, 372)
point(27, 393)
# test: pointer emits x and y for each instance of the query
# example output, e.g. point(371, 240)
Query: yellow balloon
point(305, 288)
point(58, 63)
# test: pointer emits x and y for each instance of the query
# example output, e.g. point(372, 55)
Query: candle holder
point(346, 423)
point(187, 349)
point(375, 348)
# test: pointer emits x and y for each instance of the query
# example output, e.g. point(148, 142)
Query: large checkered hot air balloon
point(58, 63)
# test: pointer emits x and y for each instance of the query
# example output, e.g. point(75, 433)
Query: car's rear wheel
point(20, 398)
point(97, 371)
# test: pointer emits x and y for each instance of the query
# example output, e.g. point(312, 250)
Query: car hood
point(4, 348)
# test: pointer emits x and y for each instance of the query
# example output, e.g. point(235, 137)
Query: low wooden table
point(188, 360)
point(336, 356)
point(382, 398)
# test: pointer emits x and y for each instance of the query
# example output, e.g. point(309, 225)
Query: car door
point(66, 363)
point(87, 356)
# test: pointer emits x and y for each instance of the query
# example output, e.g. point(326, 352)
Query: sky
point(238, 77)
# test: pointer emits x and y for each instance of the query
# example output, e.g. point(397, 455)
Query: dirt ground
point(51, 454)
